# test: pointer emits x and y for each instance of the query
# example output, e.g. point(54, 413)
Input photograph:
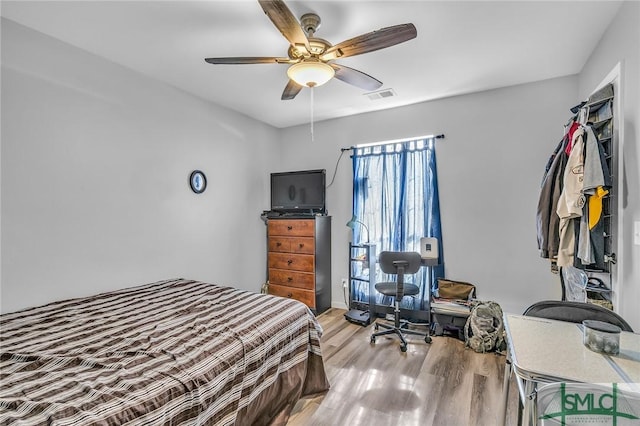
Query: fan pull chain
point(312, 138)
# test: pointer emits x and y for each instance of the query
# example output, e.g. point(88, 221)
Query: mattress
point(176, 352)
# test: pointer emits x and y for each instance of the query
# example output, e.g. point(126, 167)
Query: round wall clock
point(198, 181)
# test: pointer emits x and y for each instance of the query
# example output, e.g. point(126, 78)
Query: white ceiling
point(462, 47)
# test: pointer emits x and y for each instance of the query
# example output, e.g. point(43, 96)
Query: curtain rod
point(441, 136)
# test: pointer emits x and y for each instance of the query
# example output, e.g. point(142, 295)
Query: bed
point(175, 352)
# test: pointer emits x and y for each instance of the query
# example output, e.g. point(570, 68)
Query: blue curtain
point(395, 194)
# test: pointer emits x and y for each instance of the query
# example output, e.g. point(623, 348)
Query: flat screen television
point(298, 192)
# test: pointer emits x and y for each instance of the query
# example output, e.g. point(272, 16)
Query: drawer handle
point(301, 245)
point(289, 262)
point(278, 244)
point(289, 295)
point(289, 279)
point(289, 228)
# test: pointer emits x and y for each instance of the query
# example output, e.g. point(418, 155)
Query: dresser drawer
point(303, 245)
point(292, 227)
point(305, 296)
point(304, 280)
point(280, 244)
point(291, 261)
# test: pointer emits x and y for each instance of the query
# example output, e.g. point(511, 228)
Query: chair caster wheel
point(373, 339)
point(403, 348)
point(427, 339)
point(375, 326)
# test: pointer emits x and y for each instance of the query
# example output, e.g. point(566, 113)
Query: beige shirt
point(571, 199)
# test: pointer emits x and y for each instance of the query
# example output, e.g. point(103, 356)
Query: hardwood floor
point(441, 383)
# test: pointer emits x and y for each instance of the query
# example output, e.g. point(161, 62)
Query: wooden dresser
point(299, 260)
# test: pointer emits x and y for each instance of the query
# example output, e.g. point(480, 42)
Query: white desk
point(546, 351)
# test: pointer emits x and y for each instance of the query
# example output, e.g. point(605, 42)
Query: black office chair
point(399, 263)
point(563, 310)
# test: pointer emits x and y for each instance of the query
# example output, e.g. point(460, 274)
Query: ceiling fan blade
point(372, 41)
point(356, 78)
point(284, 21)
point(291, 90)
point(249, 60)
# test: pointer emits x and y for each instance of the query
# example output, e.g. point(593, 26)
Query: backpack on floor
point(484, 329)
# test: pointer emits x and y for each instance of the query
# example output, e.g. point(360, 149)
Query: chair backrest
point(409, 259)
point(575, 312)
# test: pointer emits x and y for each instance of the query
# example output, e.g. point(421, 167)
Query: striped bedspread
point(175, 352)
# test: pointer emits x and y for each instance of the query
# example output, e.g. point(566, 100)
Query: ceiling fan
point(311, 58)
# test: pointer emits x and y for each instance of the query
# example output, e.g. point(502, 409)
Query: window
point(395, 194)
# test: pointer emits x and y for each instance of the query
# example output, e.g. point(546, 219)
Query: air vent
point(381, 94)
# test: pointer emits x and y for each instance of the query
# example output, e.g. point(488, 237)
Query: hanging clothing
point(596, 172)
point(585, 175)
point(547, 220)
point(584, 252)
point(595, 206)
point(572, 129)
point(596, 182)
point(577, 180)
point(571, 199)
point(597, 178)
point(598, 246)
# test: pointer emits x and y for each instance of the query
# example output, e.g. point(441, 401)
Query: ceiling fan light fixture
point(310, 73)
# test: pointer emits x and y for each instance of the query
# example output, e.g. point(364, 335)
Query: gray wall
point(621, 44)
point(490, 167)
point(95, 167)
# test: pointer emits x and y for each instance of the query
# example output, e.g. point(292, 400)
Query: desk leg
point(530, 400)
point(502, 419)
